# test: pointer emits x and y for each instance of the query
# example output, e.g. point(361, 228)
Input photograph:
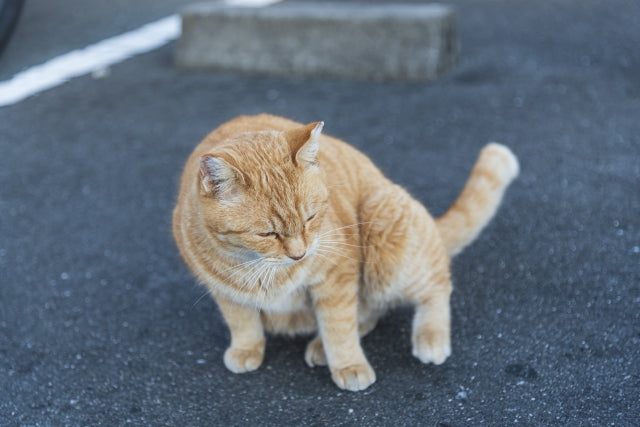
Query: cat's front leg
point(336, 309)
point(246, 351)
point(314, 354)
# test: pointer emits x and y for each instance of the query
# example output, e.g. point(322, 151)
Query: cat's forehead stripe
point(277, 215)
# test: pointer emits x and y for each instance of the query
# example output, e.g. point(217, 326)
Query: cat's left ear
point(304, 143)
point(219, 178)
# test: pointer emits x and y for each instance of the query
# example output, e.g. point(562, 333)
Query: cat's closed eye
point(311, 217)
point(269, 234)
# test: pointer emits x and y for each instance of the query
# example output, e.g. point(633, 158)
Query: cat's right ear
point(304, 143)
point(219, 179)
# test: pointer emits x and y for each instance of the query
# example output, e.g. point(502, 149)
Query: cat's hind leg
point(314, 354)
point(429, 291)
point(428, 287)
point(430, 338)
point(406, 261)
point(299, 322)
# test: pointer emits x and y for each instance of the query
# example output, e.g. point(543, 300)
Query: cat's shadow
point(387, 347)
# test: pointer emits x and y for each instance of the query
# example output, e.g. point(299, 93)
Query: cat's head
point(263, 194)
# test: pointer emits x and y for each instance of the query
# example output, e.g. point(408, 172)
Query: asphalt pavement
point(102, 324)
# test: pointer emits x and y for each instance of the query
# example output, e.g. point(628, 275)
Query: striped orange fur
point(295, 232)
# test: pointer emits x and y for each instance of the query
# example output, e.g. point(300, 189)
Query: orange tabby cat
point(296, 232)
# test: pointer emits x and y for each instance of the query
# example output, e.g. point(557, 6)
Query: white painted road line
point(98, 56)
point(94, 57)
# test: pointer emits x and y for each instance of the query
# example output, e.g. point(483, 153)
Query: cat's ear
point(219, 178)
point(304, 143)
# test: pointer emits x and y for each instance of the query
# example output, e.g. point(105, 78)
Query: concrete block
point(416, 42)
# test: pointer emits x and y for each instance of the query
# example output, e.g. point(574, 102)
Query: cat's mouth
point(289, 261)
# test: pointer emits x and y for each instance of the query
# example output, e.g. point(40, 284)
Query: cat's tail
point(494, 170)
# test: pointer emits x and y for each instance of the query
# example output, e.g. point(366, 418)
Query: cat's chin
point(280, 262)
point(287, 262)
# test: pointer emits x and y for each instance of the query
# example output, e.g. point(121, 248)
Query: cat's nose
point(295, 248)
point(297, 257)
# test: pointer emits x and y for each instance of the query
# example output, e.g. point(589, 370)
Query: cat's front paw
point(354, 377)
point(432, 346)
point(314, 355)
point(239, 360)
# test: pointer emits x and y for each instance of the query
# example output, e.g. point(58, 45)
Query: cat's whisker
point(256, 273)
point(240, 275)
point(342, 228)
point(247, 281)
point(266, 277)
point(276, 270)
point(337, 235)
point(242, 264)
point(243, 271)
point(337, 242)
point(326, 258)
point(328, 249)
point(242, 267)
point(267, 285)
point(332, 251)
point(271, 277)
point(204, 294)
point(259, 279)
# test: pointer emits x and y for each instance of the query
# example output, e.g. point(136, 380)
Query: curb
point(414, 42)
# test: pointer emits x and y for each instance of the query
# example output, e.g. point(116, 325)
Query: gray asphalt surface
point(101, 323)
point(50, 28)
